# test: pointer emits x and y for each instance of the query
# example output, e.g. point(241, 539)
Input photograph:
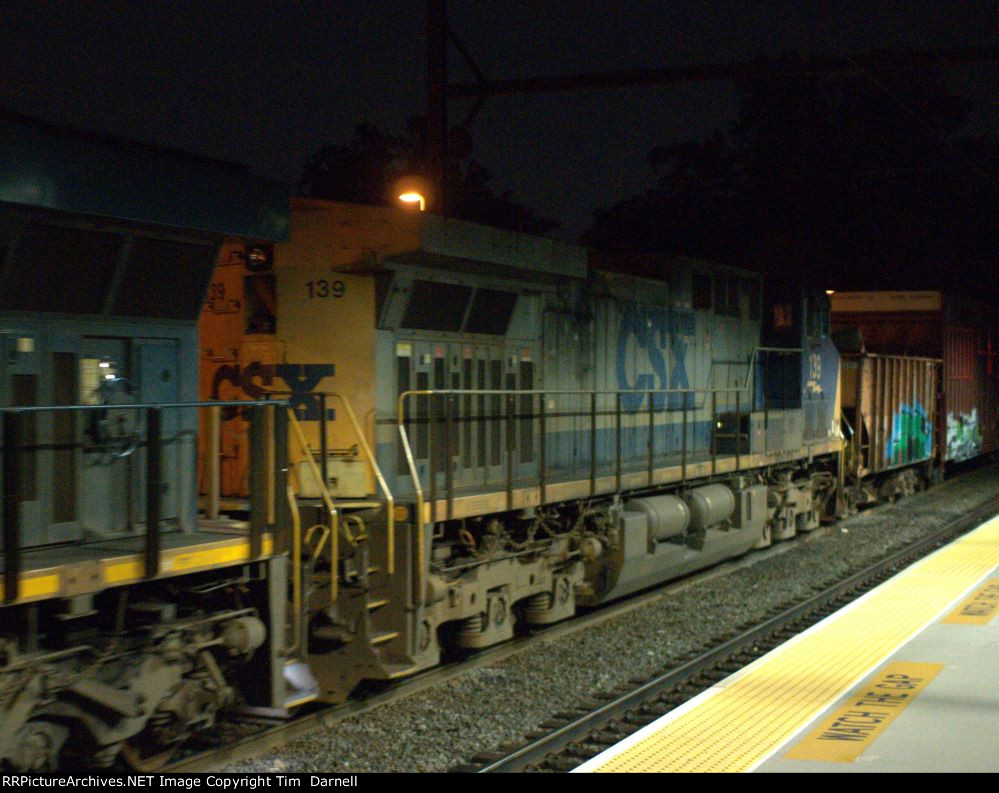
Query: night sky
point(266, 84)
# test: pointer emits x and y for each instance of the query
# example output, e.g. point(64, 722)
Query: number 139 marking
point(324, 288)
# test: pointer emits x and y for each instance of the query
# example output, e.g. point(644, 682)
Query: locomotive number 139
point(324, 288)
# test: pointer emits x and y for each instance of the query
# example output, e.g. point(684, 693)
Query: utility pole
point(436, 142)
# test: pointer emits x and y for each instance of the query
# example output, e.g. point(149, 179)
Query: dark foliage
point(856, 181)
point(365, 170)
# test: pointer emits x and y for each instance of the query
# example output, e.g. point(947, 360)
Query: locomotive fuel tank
point(710, 506)
point(667, 516)
point(649, 547)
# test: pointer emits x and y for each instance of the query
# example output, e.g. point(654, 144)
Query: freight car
point(126, 622)
point(960, 334)
point(487, 430)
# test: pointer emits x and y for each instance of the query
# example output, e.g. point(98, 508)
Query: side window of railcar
point(48, 260)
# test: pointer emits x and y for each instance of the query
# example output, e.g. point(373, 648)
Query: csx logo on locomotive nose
point(255, 380)
point(654, 327)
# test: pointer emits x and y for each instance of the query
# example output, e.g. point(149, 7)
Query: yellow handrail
point(334, 515)
point(296, 568)
point(423, 518)
point(420, 517)
point(389, 498)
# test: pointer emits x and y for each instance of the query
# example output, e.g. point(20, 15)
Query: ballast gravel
point(436, 728)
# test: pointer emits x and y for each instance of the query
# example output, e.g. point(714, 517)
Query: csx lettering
point(653, 327)
point(256, 379)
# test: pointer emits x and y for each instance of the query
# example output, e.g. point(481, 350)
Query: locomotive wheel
point(41, 746)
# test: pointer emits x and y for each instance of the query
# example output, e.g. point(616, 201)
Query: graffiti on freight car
point(911, 435)
point(256, 380)
point(963, 437)
point(659, 333)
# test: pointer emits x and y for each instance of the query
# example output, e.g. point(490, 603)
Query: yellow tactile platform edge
point(745, 719)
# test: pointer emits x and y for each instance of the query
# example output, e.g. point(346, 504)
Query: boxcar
point(961, 333)
point(889, 411)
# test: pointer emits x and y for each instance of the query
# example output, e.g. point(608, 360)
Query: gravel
point(436, 728)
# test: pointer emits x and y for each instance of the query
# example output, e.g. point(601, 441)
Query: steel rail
point(280, 732)
point(551, 743)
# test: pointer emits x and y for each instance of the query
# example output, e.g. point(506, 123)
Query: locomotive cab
point(127, 622)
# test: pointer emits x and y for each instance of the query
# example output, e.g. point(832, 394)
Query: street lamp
point(414, 198)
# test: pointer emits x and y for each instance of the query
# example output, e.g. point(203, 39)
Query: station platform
point(904, 679)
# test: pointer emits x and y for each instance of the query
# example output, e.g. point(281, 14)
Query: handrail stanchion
point(593, 443)
point(449, 455)
point(652, 441)
point(282, 509)
point(258, 481)
point(510, 448)
point(323, 441)
point(714, 427)
point(213, 459)
point(542, 455)
point(432, 453)
point(154, 493)
point(270, 464)
point(738, 431)
point(683, 444)
point(13, 494)
point(617, 440)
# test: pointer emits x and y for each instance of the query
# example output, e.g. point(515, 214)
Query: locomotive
point(127, 622)
point(394, 436)
point(513, 431)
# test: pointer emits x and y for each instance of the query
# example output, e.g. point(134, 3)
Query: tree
point(858, 180)
point(366, 169)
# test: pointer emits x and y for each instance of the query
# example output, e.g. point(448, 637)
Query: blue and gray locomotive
point(504, 432)
point(395, 434)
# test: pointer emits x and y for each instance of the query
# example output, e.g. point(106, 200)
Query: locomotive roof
point(352, 235)
point(56, 168)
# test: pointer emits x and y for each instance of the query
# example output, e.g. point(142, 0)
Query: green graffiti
point(963, 438)
point(911, 435)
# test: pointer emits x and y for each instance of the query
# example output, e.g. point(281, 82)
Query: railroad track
point(572, 737)
point(258, 736)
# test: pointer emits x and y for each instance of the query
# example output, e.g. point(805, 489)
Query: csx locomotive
point(410, 436)
point(504, 431)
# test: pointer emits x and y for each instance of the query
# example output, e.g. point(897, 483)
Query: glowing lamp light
point(414, 198)
point(830, 291)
